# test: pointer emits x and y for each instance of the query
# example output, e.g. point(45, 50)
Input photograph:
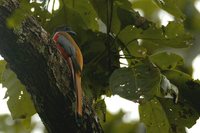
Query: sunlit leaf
point(19, 102)
point(154, 117)
point(173, 35)
point(171, 7)
point(142, 4)
point(166, 60)
point(154, 37)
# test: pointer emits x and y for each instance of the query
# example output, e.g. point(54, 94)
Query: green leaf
point(142, 4)
point(20, 14)
point(130, 43)
point(125, 4)
point(131, 18)
point(19, 102)
point(98, 5)
point(100, 108)
point(136, 50)
point(65, 16)
point(96, 73)
point(2, 68)
point(129, 34)
point(173, 35)
point(41, 14)
point(8, 125)
point(27, 122)
point(163, 115)
point(138, 83)
point(189, 89)
point(181, 114)
point(154, 117)
point(106, 12)
point(115, 124)
point(174, 29)
point(155, 37)
point(86, 12)
point(166, 60)
point(171, 7)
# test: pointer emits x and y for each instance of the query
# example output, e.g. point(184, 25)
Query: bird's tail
point(76, 65)
point(77, 85)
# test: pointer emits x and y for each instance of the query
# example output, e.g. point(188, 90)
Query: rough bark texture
point(34, 58)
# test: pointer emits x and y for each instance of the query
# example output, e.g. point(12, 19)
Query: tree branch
point(33, 57)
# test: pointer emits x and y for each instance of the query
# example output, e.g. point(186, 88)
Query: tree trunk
point(32, 55)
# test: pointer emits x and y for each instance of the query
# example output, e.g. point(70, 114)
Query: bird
point(71, 52)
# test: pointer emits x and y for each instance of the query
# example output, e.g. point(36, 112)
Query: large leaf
point(171, 7)
point(163, 115)
point(173, 35)
point(19, 102)
point(154, 117)
point(181, 114)
point(130, 44)
point(166, 60)
point(189, 89)
point(138, 83)
point(142, 4)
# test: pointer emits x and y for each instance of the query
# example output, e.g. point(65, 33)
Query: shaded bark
point(33, 57)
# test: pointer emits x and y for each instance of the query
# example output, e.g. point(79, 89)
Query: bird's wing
point(70, 50)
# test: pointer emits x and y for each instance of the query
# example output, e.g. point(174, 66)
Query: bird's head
point(65, 29)
point(60, 29)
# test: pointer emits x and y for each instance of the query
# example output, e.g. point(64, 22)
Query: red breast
point(55, 37)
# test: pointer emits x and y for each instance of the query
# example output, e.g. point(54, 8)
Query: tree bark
point(32, 55)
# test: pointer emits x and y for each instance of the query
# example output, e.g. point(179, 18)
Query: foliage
point(14, 126)
point(129, 82)
point(115, 124)
point(19, 102)
point(106, 27)
point(166, 60)
point(162, 115)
